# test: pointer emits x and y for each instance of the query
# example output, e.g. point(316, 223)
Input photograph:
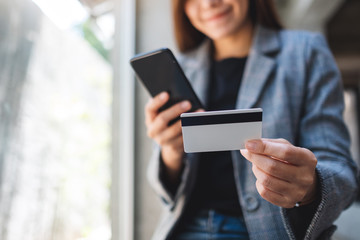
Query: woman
point(293, 183)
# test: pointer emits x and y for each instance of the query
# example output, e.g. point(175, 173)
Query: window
point(55, 124)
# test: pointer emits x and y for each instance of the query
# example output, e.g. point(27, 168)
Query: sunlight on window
point(55, 168)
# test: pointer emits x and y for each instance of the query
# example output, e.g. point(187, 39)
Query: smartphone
point(159, 71)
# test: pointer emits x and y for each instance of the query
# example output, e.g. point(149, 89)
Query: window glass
point(55, 96)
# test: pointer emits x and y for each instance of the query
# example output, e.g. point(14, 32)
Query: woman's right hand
point(168, 137)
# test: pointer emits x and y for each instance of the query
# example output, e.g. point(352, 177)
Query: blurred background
point(73, 145)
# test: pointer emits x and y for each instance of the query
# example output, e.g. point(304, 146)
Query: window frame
point(123, 126)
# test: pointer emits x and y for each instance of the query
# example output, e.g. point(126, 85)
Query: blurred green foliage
point(90, 36)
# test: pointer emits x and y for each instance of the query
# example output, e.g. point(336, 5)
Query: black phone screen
point(159, 71)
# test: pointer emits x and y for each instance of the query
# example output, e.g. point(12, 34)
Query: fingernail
point(251, 145)
point(163, 96)
point(185, 105)
point(245, 153)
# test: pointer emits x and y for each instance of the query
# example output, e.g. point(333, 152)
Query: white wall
point(154, 30)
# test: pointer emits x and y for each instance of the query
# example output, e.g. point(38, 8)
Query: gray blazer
point(292, 76)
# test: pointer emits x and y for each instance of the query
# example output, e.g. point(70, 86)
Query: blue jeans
point(209, 224)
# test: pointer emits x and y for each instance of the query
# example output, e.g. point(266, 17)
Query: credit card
point(220, 130)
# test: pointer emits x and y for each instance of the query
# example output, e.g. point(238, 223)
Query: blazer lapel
point(258, 68)
point(196, 65)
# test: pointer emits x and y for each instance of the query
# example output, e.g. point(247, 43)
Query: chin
point(218, 35)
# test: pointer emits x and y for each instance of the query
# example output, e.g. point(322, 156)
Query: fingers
point(277, 184)
point(285, 174)
point(273, 197)
point(172, 133)
point(162, 119)
point(278, 169)
point(270, 182)
point(279, 149)
point(153, 106)
point(299, 176)
point(284, 190)
point(169, 134)
point(158, 122)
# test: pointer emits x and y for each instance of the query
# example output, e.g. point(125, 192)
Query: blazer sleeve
point(323, 131)
point(155, 175)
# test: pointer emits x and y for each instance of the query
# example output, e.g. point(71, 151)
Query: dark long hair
point(187, 37)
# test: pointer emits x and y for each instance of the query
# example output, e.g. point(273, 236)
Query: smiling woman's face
point(218, 18)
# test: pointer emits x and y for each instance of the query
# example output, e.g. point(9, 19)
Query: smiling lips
point(218, 15)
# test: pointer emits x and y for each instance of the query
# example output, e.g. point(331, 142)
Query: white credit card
point(220, 130)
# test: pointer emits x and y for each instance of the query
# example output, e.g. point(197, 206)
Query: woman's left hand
point(285, 174)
